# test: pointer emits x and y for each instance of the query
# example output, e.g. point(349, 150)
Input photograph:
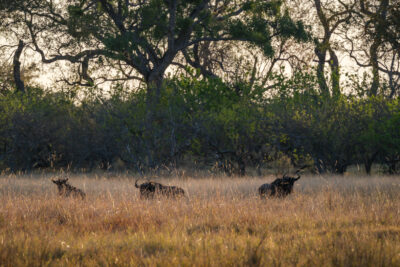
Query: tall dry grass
point(331, 221)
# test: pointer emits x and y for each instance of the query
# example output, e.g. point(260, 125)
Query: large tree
point(373, 34)
point(330, 15)
point(140, 39)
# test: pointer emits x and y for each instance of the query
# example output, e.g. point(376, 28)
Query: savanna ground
point(328, 221)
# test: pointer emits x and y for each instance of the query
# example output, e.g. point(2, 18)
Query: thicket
point(204, 124)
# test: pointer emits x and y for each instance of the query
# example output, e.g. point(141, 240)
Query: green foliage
point(230, 127)
point(80, 24)
point(146, 37)
point(264, 19)
point(33, 126)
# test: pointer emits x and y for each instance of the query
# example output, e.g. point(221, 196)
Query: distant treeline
point(203, 123)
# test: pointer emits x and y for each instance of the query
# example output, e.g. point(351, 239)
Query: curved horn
point(303, 167)
point(298, 171)
point(136, 185)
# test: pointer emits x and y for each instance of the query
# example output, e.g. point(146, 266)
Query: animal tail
point(136, 185)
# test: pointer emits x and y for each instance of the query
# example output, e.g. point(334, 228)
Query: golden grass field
point(327, 221)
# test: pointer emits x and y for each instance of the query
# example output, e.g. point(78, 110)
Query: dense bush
point(207, 123)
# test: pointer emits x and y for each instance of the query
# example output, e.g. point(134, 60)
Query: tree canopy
point(141, 39)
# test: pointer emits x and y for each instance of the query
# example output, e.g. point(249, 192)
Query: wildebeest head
point(284, 186)
point(60, 183)
point(147, 189)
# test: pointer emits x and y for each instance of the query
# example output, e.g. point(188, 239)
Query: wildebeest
point(151, 189)
point(65, 189)
point(281, 187)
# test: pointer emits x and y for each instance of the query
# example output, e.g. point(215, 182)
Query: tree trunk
point(368, 162)
point(368, 166)
point(375, 72)
point(241, 166)
point(17, 68)
point(379, 21)
point(228, 167)
point(154, 84)
point(340, 168)
point(335, 73)
point(321, 54)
